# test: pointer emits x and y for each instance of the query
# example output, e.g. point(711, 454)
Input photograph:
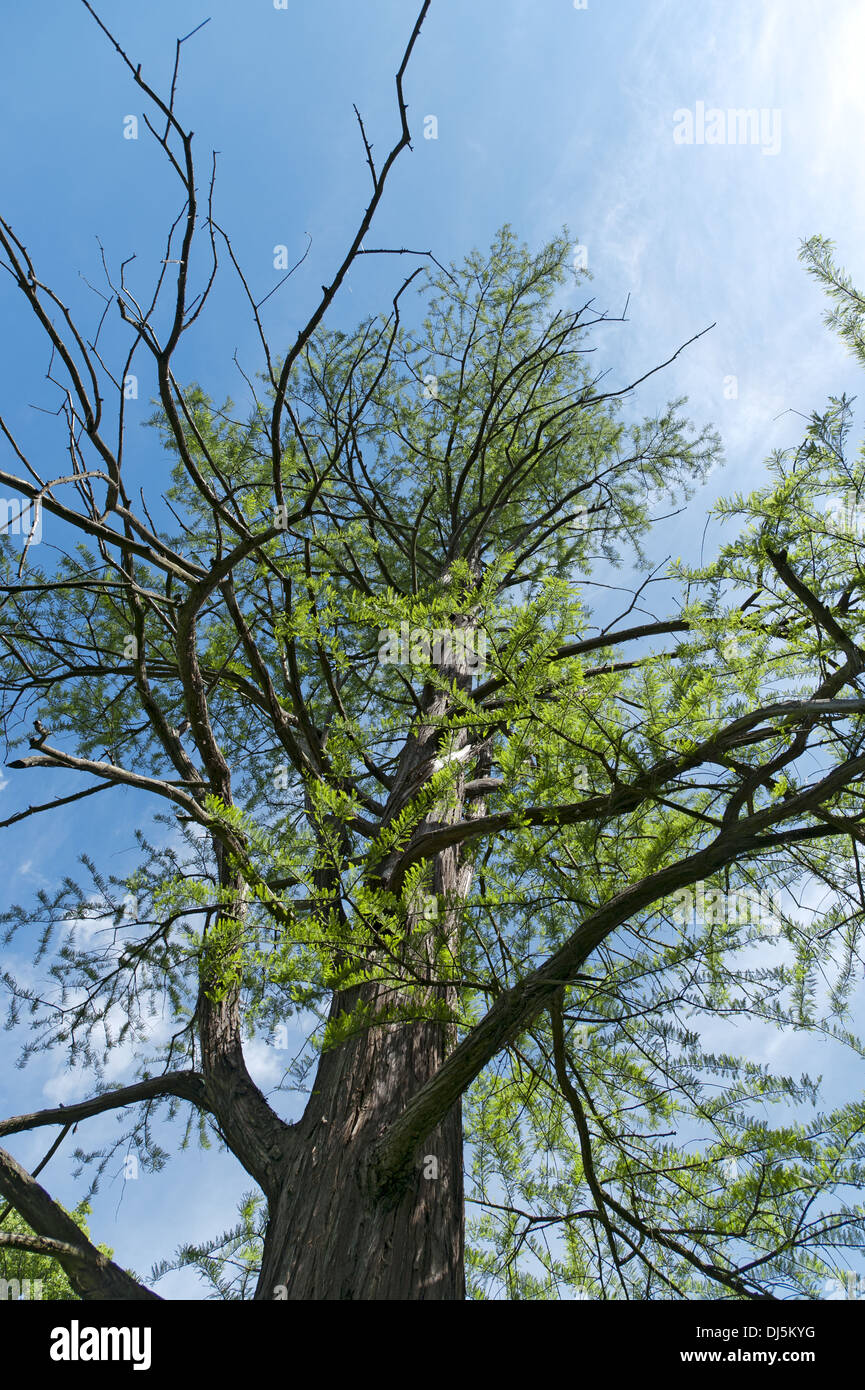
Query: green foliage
point(229, 1264)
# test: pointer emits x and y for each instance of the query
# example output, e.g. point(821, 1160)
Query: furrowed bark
point(332, 1235)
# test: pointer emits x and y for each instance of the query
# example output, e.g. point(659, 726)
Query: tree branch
point(92, 1275)
point(187, 1085)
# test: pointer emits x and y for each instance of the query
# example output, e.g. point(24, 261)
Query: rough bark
point(334, 1233)
point(328, 1236)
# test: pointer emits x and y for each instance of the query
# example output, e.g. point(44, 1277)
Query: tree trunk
point(328, 1236)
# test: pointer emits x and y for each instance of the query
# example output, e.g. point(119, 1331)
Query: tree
point(511, 855)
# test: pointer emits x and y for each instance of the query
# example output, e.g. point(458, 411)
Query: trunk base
point(327, 1237)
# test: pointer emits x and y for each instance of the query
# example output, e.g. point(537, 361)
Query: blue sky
point(546, 115)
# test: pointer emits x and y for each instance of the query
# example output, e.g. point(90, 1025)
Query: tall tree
point(513, 856)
